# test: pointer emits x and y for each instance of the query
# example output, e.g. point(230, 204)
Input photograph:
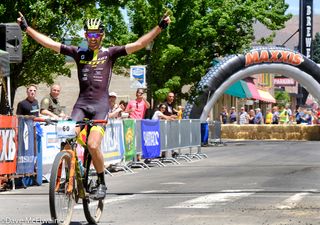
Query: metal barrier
point(175, 136)
point(215, 132)
point(178, 136)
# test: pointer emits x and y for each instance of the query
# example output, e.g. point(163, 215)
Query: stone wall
point(271, 132)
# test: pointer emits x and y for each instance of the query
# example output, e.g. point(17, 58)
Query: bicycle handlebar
point(45, 120)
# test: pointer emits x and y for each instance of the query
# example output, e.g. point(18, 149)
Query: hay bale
point(270, 132)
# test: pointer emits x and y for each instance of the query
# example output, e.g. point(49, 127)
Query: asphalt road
point(243, 183)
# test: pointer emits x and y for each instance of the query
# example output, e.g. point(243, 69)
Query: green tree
point(282, 97)
point(200, 31)
point(316, 48)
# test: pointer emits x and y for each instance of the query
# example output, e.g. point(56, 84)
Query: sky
point(294, 6)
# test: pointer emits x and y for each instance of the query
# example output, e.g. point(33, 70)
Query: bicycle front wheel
point(61, 202)
point(92, 208)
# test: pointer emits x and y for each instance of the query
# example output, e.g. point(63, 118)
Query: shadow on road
point(72, 223)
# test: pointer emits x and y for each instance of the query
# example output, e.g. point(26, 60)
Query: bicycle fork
point(74, 172)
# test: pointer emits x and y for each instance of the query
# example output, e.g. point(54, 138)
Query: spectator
point(137, 108)
point(114, 109)
point(307, 117)
point(289, 111)
point(224, 115)
point(112, 101)
point(170, 110)
point(179, 113)
point(123, 105)
point(233, 115)
point(317, 116)
point(275, 115)
point(283, 116)
point(251, 116)
point(299, 114)
point(159, 114)
point(50, 105)
point(258, 118)
point(243, 116)
point(269, 116)
point(30, 105)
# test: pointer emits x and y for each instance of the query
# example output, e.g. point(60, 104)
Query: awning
point(237, 89)
point(266, 96)
point(252, 89)
point(247, 89)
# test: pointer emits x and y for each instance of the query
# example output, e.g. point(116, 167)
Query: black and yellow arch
point(259, 60)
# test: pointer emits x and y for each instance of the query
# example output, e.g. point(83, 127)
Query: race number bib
point(66, 129)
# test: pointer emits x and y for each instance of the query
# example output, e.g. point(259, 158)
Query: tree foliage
point(282, 97)
point(316, 48)
point(200, 31)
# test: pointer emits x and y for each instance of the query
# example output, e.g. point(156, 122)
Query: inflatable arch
point(259, 60)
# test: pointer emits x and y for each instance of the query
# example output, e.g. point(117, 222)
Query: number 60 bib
point(66, 129)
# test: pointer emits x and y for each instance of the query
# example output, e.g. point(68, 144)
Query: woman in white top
point(158, 115)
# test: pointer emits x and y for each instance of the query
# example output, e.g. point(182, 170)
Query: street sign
point(138, 77)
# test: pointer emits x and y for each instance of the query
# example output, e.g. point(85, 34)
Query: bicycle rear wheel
point(61, 202)
point(92, 208)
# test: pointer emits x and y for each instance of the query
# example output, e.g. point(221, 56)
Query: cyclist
point(94, 65)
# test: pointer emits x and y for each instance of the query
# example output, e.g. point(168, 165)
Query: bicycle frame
point(66, 166)
point(75, 174)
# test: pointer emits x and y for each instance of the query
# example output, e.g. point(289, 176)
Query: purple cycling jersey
point(94, 74)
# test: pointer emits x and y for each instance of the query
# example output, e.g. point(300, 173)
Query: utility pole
point(148, 79)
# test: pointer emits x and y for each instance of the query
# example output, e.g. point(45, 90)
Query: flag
point(129, 139)
point(150, 138)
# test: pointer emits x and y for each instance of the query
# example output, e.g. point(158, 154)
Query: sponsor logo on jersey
point(93, 63)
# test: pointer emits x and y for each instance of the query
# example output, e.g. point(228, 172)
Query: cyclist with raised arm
point(94, 65)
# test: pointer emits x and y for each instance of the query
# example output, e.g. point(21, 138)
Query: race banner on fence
point(8, 144)
point(129, 139)
point(112, 143)
point(150, 138)
point(26, 150)
point(50, 146)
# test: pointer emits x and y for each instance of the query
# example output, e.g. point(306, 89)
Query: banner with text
point(112, 143)
point(50, 146)
point(150, 138)
point(26, 150)
point(8, 144)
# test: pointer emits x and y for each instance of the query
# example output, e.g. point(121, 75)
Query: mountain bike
point(70, 179)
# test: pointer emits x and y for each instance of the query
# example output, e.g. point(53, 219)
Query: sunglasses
point(93, 35)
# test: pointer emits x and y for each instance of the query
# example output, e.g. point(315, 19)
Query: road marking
point(173, 183)
point(206, 201)
point(293, 201)
point(153, 191)
point(109, 200)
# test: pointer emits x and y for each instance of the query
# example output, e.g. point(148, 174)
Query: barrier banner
point(50, 146)
point(129, 140)
point(150, 138)
point(8, 144)
point(26, 149)
point(112, 143)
